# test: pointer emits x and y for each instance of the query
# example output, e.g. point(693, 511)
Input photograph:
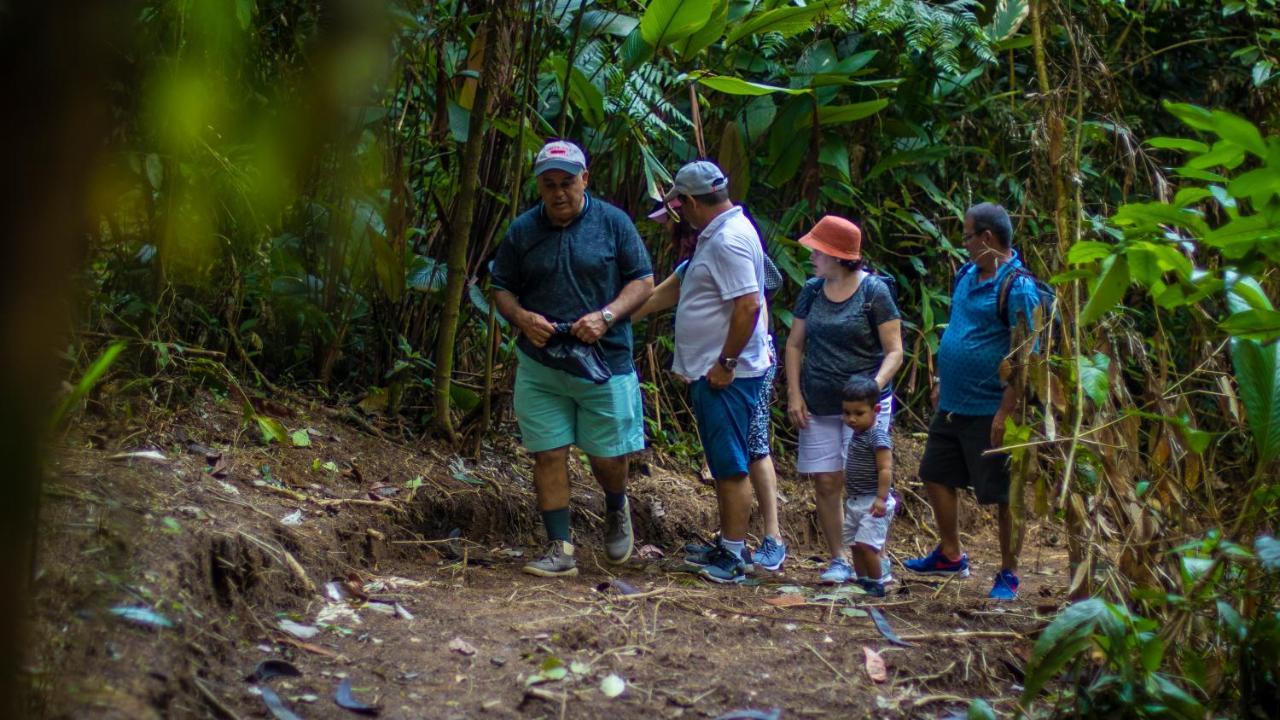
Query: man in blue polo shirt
point(971, 401)
point(570, 271)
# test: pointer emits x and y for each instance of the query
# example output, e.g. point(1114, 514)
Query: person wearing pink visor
point(771, 553)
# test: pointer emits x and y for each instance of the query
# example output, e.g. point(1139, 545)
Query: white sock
point(734, 546)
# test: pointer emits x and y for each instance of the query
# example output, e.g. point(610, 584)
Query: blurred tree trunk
point(460, 229)
point(54, 61)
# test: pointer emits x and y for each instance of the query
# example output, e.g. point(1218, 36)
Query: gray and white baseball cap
point(560, 155)
point(697, 178)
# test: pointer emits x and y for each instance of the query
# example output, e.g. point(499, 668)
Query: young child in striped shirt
point(868, 480)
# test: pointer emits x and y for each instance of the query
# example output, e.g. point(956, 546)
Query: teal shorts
point(556, 409)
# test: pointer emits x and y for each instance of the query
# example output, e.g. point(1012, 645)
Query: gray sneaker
point(618, 537)
point(557, 561)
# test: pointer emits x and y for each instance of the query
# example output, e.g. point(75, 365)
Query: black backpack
point(889, 281)
point(1047, 299)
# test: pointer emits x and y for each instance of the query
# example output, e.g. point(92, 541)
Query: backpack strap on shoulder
point(1006, 289)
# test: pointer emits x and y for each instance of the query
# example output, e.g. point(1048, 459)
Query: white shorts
point(861, 527)
point(823, 441)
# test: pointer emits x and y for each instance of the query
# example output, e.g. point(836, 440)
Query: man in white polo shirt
point(721, 348)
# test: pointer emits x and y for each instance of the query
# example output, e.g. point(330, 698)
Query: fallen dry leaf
point(220, 467)
point(786, 600)
point(875, 665)
point(650, 552)
point(461, 646)
point(309, 647)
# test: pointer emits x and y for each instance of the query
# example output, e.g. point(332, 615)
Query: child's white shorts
point(861, 527)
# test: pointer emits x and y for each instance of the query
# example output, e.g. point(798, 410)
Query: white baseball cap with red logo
point(560, 155)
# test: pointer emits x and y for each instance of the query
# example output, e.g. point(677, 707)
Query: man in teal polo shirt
point(972, 402)
point(571, 270)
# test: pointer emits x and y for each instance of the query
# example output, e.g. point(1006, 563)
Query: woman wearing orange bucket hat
point(846, 324)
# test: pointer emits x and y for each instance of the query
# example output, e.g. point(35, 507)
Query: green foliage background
point(285, 178)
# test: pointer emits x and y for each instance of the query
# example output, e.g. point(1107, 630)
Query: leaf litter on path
point(462, 647)
point(146, 617)
point(153, 455)
point(277, 707)
point(298, 630)
point(272, 668)
point(343, 697)
point(875, 665)
point(883, 626)
point(612, 686)
point(774, 714)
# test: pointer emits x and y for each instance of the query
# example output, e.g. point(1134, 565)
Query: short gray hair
point(715, 197)
point(993, 217)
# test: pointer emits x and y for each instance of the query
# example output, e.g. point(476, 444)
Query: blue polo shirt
point(565, 273)
point(976, 341)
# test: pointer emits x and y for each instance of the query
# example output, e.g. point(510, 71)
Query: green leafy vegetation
point(306, 196)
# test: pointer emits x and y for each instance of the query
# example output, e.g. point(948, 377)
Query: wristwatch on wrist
point(728, 363)
point(608, 316)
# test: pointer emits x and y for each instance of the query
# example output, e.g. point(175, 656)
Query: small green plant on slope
point(1207, 638)
point(1121, 664)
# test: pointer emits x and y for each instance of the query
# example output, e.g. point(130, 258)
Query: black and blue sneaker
point(724, 567)
point(770, 555)
point(700, 549)
point(873, 588)
point(700, 553)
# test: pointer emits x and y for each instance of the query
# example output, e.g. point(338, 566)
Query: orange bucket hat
point(836, 237)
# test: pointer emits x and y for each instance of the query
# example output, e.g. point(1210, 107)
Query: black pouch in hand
point(565, 352)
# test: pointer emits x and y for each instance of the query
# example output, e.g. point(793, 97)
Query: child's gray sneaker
point(839, 571)
point(618, 536)
point(557, 561)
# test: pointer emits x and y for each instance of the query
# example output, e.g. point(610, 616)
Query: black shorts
point(953, 457)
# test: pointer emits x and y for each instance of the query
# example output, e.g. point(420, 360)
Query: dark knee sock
point(557, 524)
point(613, 501)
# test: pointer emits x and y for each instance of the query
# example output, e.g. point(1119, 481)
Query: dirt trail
point(205, 538)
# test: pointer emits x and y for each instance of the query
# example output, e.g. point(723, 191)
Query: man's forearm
point(508, 306)
point(632, 297)
point(1008, 401)
point(666, 295)
point(746, 310)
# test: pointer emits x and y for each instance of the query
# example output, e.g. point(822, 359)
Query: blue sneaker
point(935, 563)
point(770, 555)
point(724, 567)
point(839, 571)
point(1005, 587)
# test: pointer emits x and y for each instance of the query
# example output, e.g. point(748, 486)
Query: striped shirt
point(860, 474)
